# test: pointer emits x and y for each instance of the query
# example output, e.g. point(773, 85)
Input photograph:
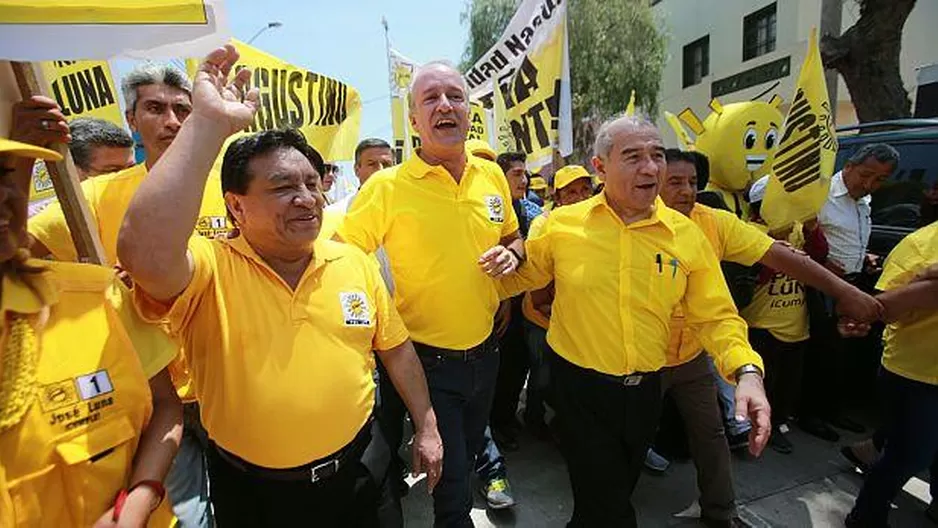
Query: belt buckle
point(633, 380)
point(324, 470)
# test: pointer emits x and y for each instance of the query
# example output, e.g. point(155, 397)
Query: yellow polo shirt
point(732, 240)
point(284, 377)
point(910, 349)
point(108, 198)
point(434, 231)
point(617, 286)
point(527, 305)
point(64, 460)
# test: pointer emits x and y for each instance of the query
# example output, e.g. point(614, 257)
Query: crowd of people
point(250, 355)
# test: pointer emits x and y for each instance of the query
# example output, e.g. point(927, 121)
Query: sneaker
point(655, 462)
point(861, 454)
point(738, 441)
point(497, 494)
point(779, 440)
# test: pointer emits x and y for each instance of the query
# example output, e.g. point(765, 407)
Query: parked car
point(910, 198)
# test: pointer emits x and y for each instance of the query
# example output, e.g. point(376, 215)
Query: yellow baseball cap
point(537, 183)
point(568, 175)
point(481, 149)
point(25, 150)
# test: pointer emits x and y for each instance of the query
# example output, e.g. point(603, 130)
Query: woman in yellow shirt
point(89, 420)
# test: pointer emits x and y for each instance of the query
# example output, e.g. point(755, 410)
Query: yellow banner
point(801, 173)
point(110, 12)
point(532, 100)
point(84, 89)
point(478, 123)
point(325, 110)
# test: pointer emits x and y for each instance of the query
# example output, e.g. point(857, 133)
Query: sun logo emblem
point(355, 309)
point(496, 208)
point(402, 76)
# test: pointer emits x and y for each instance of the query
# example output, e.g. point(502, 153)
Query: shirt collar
point(418, 168)
point(839, 189)
point(660, 214)
point(323, 251)
point(20, 298)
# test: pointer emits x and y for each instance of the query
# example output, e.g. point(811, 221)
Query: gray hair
point(881, 152)
point(151, 73)
point(433, 64)
point(89, 133)
point(603, 145)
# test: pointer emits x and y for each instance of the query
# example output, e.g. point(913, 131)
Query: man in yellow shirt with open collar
point(621, 263)
point(278, 327)
point(908, 378)
point(445, 219)
point(687, 376)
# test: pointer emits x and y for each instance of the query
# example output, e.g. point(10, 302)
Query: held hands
point(859, 307)
point(752, 403)
point(135, 512)
point(427, 453)
point(498, 262)
point(219, 100)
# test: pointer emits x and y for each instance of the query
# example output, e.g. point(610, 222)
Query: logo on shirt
point(496, 208)
point(355, 308)
point(79, 401)
point(211, 226)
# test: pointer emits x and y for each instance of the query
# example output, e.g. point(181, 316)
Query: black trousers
point(350, 498)
point(784, 365)
point(512, 370)
point(605, 428)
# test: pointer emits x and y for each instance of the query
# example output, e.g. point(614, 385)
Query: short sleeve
point(50, 228)
point(743, 243)
point(901, 265)
point(178, 312)
point(365, 224)
point(153, 346)
point(390, 331)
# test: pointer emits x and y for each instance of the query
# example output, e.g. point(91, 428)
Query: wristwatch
point(748, 368)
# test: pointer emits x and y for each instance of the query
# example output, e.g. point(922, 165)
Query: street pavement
point(812, 487)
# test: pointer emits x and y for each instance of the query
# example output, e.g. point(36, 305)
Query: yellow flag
point(630, 109)
point(682, 136)
point(504, 140)
point(801, 173)
point(325, 110)
point(478, 123)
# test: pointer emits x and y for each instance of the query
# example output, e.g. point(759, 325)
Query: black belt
point(467, 355)
point(315, 471)
point(627, 380)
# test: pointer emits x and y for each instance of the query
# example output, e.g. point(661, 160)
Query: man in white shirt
point(371, 155)
point(845, 217)
point(845, 221)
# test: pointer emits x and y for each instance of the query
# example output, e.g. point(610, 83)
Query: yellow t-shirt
point(910, 343)
point(617, 286)
point(780, 307)
point(66, 458)
point(732, 240)
point(527, 305)
point(434, 231)
point(108, 198)
point(283, 377)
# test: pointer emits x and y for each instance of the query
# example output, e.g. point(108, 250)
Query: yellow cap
point(480, 149)
point(568, 175)
point(25, 150)
point(537, 183)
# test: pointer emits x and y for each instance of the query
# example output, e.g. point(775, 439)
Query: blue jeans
point(461, 393)
point(490, 464)
point(726, 393)
point(539, 377)
point(911, 432)
point(187, 480)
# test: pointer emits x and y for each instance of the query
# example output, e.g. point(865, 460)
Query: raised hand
point(219, 100)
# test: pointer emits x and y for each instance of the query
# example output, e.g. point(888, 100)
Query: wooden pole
point(65, 180)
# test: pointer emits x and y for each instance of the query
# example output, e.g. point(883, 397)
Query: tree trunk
point(867, 56)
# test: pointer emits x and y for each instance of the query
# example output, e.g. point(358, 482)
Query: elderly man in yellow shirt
point(89, 420)
point(688, 377)
point(908, 378)
point(446, 221)
point(621, 263)
point(279, 327)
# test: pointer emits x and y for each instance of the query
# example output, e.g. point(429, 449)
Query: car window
point(910, 197)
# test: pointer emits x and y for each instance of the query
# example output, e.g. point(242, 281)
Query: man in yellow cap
point(89, 419)
point(538, 190)
point(480, 149)
point(573, 185)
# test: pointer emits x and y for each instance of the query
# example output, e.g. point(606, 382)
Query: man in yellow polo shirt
point(688, 377)
point(278, 328)
point(908, 378)
point(158, 101)
point(621, 263)
point(446, 221)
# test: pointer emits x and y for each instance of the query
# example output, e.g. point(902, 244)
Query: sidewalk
point(813, 487)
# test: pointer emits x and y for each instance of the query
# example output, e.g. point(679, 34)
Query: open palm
point(222, 101)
